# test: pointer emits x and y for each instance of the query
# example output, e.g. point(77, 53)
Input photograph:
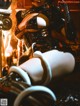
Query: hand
point(4, 4)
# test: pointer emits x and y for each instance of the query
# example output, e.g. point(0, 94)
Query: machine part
point(7, 23)
point(33, 89)
point(5, 11)
point(10, 86)
point(22, 73)
point(24, 22)
point(47, 74)
point(46, 67)
point(4, 4)
point(21, 91)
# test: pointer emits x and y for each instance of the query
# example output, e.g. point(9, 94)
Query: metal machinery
point(18, 88)
point(15, 86)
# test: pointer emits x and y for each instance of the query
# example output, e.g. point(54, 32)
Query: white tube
point(22, 73)
point(46, 67)
point(32, 89)
point(59, 62)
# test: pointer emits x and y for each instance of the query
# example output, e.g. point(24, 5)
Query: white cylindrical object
point(60, 63)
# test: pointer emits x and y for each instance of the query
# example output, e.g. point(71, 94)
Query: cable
point(22, 73)
point(28, 91)
point(47, 75)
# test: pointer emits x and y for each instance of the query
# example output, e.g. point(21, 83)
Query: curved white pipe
point(32, 89)
point(46, 66)
point(21, 72)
